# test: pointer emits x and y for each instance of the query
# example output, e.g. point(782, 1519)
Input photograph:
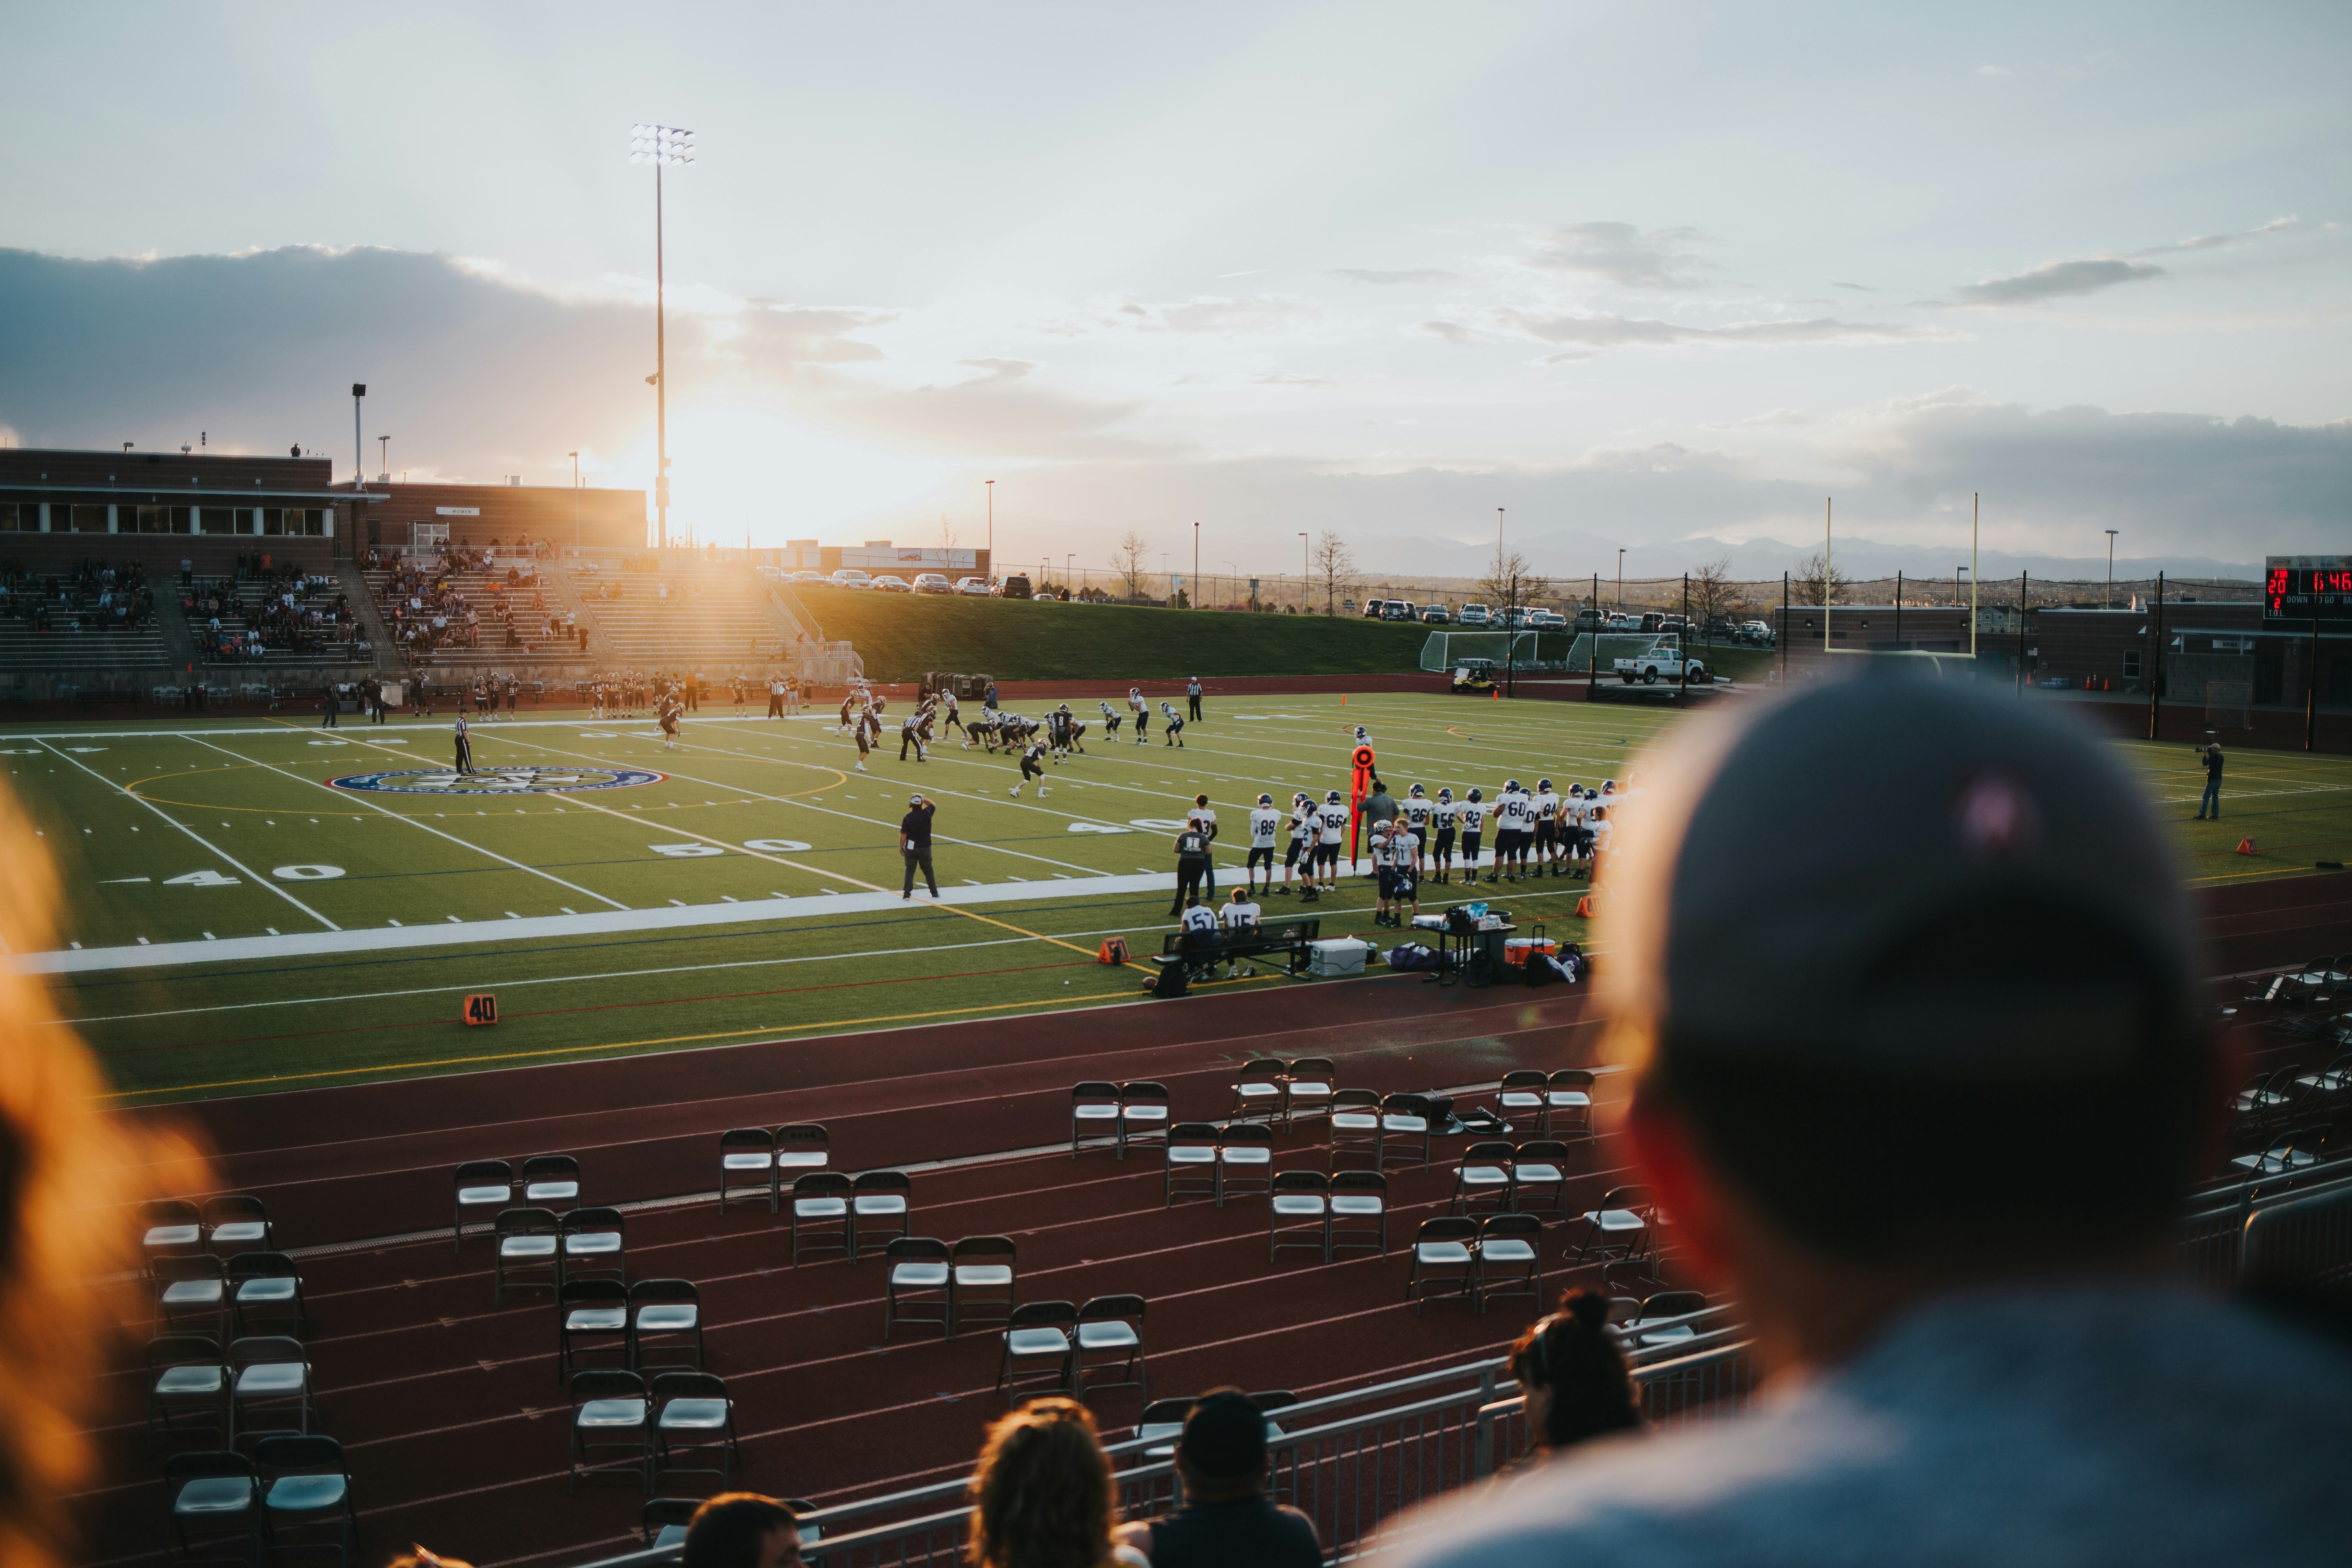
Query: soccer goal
point(2229, 705)
point(1446, 650)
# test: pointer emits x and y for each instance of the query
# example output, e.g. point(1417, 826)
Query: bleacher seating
point(682, 619)
point(278, 618)
point(96, 617)
point(498, 610)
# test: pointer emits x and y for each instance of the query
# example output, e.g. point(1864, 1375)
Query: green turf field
point(238, 923)
point(903, 636)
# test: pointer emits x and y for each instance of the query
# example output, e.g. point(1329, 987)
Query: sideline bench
point(1289, 937)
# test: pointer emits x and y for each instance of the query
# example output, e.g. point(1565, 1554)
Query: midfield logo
point(497, 781)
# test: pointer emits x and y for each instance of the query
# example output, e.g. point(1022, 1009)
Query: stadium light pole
point(1196, 564)
point(358, 447)
point(1621, 579)
point(1974, 504)
point(660, 146)
point(992, 523)
point(1306, 585)
point(383, 474)
point(576, 500)
point(2110, 600)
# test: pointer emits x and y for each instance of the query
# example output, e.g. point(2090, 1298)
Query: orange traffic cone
point(1495, 694)
point(2245, 846)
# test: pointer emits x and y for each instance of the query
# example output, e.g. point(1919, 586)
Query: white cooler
point(1340, 955)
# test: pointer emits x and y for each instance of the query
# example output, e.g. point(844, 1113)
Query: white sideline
point(475, 932)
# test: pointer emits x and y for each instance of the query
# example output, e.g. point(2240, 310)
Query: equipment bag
point(1172, 981)
point(1412, 955)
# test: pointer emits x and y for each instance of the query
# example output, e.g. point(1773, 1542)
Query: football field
point(254, 905)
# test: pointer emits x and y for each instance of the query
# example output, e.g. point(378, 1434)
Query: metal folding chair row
point(678, 1417)
point(1270, 1089)
point(249, 1288)
point(222, 1225)
point(1103, 1335)
point(539, 1249)
point(851, 1215)
point(1394, 1129)
point(1123, 1112)
point(637, 1323)
point(1555, 1104)
point(1311, 1212)
point(291, 1485)
point(1504, 1178)
point(763, 1160)
point(1483, 1259)
point(485, 1188)
point(929, 1281)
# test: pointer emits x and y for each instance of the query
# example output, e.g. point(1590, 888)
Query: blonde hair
point(71, 1179)
point(1041, 1497)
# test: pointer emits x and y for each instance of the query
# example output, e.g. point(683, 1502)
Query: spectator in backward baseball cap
point(1921, 1089)
point(1227, 1521)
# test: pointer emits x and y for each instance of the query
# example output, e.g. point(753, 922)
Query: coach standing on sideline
point(1192, 695)
point(914, 843)
point(2211, 799)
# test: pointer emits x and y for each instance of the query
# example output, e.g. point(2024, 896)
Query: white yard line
point(349, 798)
point(467, 933)
point(222, 855)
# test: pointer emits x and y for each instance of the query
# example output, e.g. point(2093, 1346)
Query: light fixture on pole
point(358, 447)
point(660, 146)
point(383, 470)
point(2110, 601)
point(575, 499)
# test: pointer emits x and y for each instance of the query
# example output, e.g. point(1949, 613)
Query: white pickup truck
point(1663, 662)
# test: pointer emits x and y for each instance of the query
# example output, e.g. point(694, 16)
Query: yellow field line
point(759, 1030)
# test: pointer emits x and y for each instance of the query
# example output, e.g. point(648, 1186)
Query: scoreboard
point(2307, 587)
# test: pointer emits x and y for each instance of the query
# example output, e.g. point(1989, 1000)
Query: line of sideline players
point(1538, 832)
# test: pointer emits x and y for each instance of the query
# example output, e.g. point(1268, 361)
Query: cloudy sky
point(1653, 276)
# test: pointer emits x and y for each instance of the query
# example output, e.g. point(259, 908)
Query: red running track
point(450, 1411)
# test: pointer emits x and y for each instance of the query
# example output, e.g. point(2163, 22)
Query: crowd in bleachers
point(459, 600)
point(94, 596)
point(263, 610)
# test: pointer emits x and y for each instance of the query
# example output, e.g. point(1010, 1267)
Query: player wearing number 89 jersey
point(1265, 822)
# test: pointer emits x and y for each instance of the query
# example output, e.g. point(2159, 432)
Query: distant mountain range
point(1563, 555)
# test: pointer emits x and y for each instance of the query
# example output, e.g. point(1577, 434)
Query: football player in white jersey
point(1199, 814)
point(1384, 852)
point(1112, 719)
point(1418, 811)
point(1174, 722)
point(1265, 822)
point(1471, 814)
point(1547, 810)
point(1142, 711)
point(1239, 917)
point(1306, 825)
point(1441, 848)
point(1327, 849)
point(1033, 766)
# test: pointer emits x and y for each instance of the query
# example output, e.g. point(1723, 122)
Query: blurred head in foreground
point(1910, 973)
point(70, 1179)
point(1041, 1496)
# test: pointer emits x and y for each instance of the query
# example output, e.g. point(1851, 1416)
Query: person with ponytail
point(1042, 1496)
point(1572, 1371)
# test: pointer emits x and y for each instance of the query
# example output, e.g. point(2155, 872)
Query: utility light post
point(991, 525)
point(1196, 564)
point(2110, 600)
point(660, 146)
point(1306, 583)
point(383, 471)
point(1621, 579)
point(358, 447)
point(575, 502)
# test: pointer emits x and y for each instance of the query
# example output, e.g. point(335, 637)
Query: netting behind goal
point(1446, 650)
point(2230, 704)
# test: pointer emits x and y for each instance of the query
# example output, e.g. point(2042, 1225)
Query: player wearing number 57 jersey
point(1265, 822)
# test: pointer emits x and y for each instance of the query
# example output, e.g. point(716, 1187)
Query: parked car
point(932, 583)
point(1591, 621)
point(807, 577)
point(887, 582)
point(1015, 587)
point(1512, 617)
point(1474, 616)
point(1546, 620)
point(1397, 610)
point(1375, 608)
point(1435, 615)
point(850, 577)
point(1757, 632)
point(975, 586)
point(1663, 662)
